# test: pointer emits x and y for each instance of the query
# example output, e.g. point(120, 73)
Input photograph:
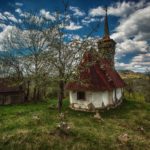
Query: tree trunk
point(60, 95)
point(27, 91)
point(38, 97)
point(34, 94)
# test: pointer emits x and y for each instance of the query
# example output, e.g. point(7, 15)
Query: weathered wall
point(118, 93)
point(107, 50)
point(80, 103)
point(98, 99)
point(11, 99)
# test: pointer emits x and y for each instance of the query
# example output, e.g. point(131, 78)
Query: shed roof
point(6, 86)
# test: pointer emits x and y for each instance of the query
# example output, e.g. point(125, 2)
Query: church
point(99, 85)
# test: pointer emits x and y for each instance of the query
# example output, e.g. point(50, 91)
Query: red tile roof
point(95, 75)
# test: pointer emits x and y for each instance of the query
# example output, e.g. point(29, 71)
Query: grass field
point(19, 131)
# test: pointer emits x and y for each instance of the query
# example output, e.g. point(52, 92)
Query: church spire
point(106, 28)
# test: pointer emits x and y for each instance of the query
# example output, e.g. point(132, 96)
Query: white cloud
point(128, 46)
point(133, 33)
point(3, 26)
point(99, 11)
point(88, 20)
point(141, 58)
point(22, 13)
point(121, 9)
point(73, 26)
point(136, 25)
point(18, 10)
point(76, 11)
point(71, 37)
point(2, 17)
point(117, 9)
point(9, 16)
point(47, 14)
point(5, 33)
point(138, 63)
point(19, 4)
point(77, 37)
point(74, 37)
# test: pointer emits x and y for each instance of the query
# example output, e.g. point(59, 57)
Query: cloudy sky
point(129, 24)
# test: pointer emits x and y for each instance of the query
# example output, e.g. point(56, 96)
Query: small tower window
point(80, 95)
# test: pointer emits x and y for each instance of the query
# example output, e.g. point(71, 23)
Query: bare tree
point(26, 47)
point(65, 55)
point(45, 52)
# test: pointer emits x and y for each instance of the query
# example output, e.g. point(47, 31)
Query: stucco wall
point(11, 99)
point(118, 93)
point(98, 99)
point(114, 99)
point(80, 103)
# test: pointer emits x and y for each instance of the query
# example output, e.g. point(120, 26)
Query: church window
point(80, 95)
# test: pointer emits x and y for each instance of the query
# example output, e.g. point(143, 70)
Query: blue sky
point(129, 24)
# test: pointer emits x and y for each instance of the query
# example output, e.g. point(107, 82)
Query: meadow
point(21, 130)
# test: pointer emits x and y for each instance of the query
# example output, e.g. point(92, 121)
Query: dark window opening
point(80, 95)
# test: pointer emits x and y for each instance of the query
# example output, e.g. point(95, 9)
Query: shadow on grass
point(122, 111)
point(125, 108)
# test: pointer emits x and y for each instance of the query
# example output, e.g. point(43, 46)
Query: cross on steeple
point(106, 28)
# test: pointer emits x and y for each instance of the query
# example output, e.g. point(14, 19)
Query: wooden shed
point(10, 94)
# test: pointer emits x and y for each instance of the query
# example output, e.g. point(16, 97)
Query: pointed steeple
point(106, 45)
point(106, 28)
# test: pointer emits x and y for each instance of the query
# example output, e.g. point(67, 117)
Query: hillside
point(20, 129)
point(126, 74)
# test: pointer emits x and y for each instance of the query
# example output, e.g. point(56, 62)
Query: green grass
point(19, 131)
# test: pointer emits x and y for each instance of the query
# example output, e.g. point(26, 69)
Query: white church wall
point(110, 97)
point(100, 97)
point(118, 93)
point(96, 98)
point(105, 98)
point(114, 99)
point(72, 96)
point(80, 103)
